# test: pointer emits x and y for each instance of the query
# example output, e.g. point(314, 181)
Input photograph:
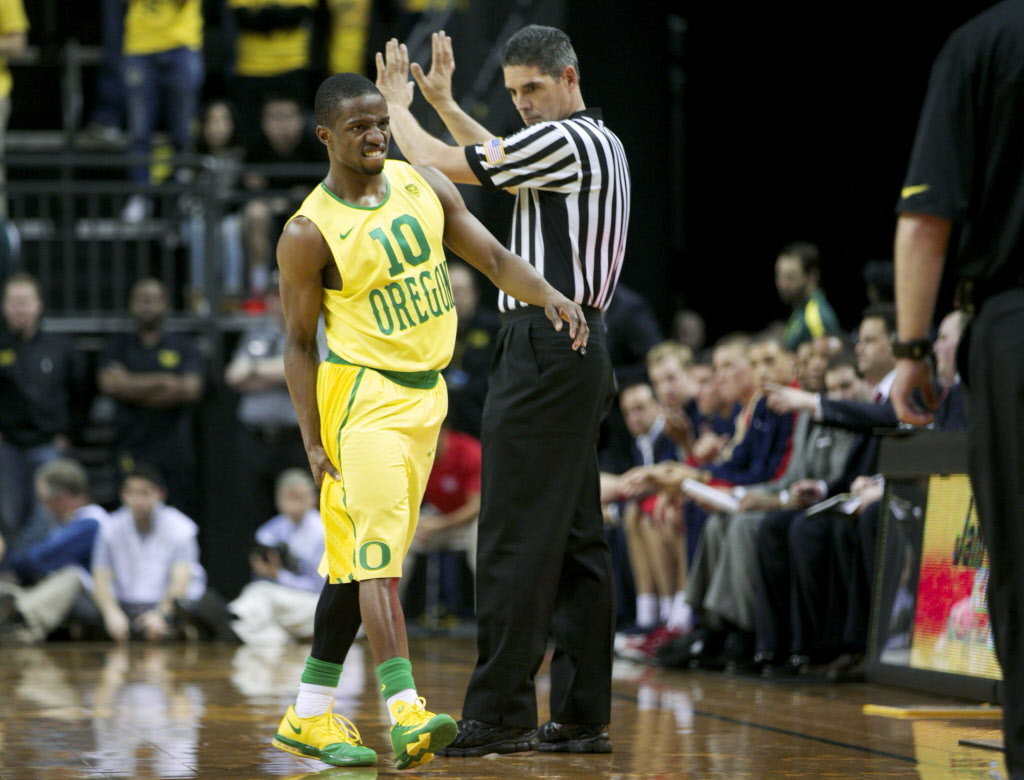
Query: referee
point(543, 567)
point(965, 170)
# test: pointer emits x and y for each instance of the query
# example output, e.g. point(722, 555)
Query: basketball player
point(366, 247)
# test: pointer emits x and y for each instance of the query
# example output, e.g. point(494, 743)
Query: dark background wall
point(798, 125)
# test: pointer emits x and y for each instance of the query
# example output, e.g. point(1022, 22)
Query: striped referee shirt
point(572, 202)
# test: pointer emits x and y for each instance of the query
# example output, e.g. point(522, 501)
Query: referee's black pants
point(543, 566)
point(995, 383)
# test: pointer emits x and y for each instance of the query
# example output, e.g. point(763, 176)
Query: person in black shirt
point(155, 377)
point(965, 170)
point(466, 374)
point(39, 375)
point(540, 499)
point(286, 140)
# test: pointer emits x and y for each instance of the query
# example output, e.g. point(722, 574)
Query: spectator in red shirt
point(451, 501)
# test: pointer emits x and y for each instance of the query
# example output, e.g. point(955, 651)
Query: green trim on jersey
point(420, 380)
point(387, 197)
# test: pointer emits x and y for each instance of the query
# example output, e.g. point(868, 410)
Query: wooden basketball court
point(208, 711)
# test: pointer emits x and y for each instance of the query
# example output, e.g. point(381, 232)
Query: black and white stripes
point(572, 203)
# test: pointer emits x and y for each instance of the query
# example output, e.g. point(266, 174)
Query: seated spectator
point(688, 329)
point(451, 503)
point(952, 411)
point(797, 276)
point(275, 194)
point(222, 153)
point(631, 332)
point(280, 604)
point(267, 438)
point(758, 452)
point(147, 579)
point(155, 377)
point(41, 583)
point(879, 281)
point(657, 551)
point(667, 365)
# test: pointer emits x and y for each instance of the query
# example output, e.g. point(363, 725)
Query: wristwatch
point(916, 349)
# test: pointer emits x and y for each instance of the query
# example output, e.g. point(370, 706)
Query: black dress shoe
point(566, 738)
point(476, 738)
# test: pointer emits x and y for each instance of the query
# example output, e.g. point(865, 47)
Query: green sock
point(319, 672)
point(395, 676)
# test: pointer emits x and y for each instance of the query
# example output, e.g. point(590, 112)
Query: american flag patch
point(494, 152)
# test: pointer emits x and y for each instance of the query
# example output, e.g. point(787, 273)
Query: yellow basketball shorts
point(381, 437)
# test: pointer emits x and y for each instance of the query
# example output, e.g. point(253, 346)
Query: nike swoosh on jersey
point(345, 234)
point(917, 189)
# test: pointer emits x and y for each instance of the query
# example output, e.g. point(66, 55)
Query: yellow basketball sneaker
point(328, 737)
point(417, 733)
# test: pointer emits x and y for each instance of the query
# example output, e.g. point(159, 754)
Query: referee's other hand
point(559, 308)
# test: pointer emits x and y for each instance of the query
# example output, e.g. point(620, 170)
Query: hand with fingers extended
point(436, 84)
point(393, 74)
point(557, 308)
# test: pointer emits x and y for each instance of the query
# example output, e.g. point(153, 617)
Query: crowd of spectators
point(777, 423)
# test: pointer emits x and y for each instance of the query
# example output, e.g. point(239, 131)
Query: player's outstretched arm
point(470, 240)
point(418, 146)
point(302, 255)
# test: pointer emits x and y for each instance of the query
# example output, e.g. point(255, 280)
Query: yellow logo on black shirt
point(168, 358)
point(917, 189)
point(7, 357)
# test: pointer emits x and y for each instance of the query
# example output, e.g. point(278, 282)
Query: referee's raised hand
point(558, 308)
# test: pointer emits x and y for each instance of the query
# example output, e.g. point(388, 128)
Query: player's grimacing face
point(361, 134)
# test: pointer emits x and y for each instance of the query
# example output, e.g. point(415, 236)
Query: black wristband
point(917, 349)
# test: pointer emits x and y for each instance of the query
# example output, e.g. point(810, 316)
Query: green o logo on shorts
point(374, 555)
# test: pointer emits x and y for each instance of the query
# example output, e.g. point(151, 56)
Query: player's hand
point(320, 465)
point(393, 74)
point(436, 85)
point(558, 308)
point(914, 375)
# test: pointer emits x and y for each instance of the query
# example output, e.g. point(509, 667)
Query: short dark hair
point(885, 312)
point(806, 252)
point(546, 48)
point(337, 88)
point(147, 472)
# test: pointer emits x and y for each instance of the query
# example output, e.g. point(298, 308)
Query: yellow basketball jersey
point(275, 52)
point(152, 26)
point(395, 310)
